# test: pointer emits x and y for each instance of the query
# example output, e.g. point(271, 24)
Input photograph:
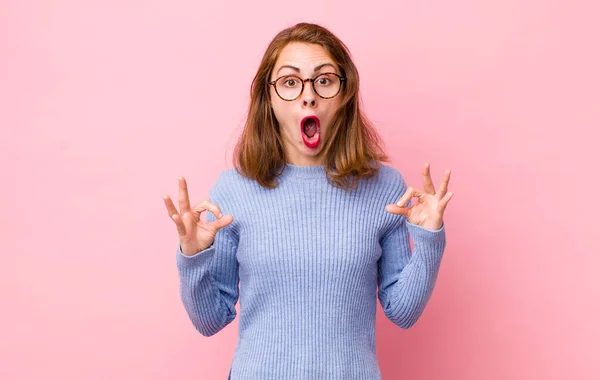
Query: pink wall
point(104, 103)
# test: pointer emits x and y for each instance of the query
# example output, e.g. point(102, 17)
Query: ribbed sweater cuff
point(429, 244)
point(200, 259)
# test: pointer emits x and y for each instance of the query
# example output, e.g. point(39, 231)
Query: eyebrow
point(317, 68)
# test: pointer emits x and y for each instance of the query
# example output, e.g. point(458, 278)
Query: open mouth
point(310, 127)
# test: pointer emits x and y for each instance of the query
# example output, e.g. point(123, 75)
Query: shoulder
point(226, 178)
point(230, 177)
point(387, 184)
point(225, 192)
point(389, 176)
point(229, 185)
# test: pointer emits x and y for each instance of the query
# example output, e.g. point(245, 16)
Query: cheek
point(332, 108)
point(276, 111)
point(282, 112)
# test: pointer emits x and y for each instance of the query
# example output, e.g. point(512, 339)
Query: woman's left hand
point(428, 211)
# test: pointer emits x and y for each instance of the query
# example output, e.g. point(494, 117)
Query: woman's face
point(303, 140)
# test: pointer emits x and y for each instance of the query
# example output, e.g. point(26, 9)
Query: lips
point(310, 128)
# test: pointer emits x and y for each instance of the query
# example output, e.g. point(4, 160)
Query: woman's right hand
point(195, 234)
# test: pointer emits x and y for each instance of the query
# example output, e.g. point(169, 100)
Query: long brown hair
point(352, 151)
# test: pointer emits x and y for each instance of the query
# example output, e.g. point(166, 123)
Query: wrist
point(434, 226)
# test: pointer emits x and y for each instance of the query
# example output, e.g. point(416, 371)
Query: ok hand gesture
point(428, 211)
point(195, 235)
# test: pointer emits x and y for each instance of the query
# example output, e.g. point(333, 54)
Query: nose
point(308, 95)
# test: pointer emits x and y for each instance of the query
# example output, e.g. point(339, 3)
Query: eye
point(290, 82)
point(324, 81)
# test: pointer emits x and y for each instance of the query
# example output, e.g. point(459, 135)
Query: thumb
point(223, 221)
point(395, 209)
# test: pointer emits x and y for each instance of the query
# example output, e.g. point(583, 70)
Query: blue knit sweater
point(308, 262)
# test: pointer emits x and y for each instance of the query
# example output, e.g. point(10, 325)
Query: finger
point(170, 206)
point(427, 182)
point(444, 202)
point(179, 223)
point(223, 221)
point(395, 209)
point(410, 192)
point(444, 185)
point(210, 206)
point(184, 199)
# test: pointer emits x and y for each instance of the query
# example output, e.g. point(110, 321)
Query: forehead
point(303, 56)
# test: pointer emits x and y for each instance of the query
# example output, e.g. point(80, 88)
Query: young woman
point(311, 227)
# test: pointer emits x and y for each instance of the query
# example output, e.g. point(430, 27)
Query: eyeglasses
point(290, 87)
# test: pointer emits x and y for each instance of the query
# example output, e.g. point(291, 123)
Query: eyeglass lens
point(325, 85)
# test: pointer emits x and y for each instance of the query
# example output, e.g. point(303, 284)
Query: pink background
point(104, 103)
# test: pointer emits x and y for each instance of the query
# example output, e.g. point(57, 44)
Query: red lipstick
point(310, 128)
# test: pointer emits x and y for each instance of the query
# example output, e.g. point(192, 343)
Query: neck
point(303, 160)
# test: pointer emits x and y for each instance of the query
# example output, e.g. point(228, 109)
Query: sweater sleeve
point(406, 279)
point(209, 279)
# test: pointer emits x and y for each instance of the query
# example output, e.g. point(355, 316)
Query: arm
point(209, 279)
point(406, 281)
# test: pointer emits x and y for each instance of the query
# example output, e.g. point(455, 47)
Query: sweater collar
point(291, 171)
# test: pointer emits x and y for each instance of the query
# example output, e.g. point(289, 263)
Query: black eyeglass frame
point(312, 81)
